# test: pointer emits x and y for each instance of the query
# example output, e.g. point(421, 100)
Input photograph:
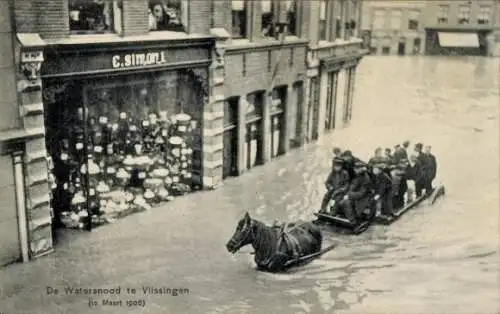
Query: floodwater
point(439, 259)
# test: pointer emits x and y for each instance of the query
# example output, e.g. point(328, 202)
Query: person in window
point(92, 15)
point(267, 24)
point(159, 11)
point(174, 10)
point(166, 15)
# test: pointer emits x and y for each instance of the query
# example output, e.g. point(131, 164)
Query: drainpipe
point(21, 205)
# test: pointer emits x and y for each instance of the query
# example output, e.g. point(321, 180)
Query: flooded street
point(439, 259)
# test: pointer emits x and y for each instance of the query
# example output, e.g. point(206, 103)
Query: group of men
point(354, 185)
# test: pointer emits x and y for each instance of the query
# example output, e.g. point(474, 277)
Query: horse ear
point(247, 216)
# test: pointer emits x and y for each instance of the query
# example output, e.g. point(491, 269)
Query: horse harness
point(284, 237)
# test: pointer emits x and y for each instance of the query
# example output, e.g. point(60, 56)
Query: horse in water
point(277, 247)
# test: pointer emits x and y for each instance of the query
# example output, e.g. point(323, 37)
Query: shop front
point(123, 126)
point(253, 150)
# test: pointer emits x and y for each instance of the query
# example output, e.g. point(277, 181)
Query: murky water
point(439, 259)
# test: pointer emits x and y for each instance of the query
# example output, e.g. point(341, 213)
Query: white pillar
point(22, 222)
point(340, 101)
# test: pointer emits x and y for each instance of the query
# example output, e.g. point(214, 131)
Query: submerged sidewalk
point(180, 244)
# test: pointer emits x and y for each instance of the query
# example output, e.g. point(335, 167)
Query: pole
point(21, 205)
point(88, 224)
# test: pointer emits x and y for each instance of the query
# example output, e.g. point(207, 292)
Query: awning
point(458, 40)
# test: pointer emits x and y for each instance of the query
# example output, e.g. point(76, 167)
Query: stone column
point(29, 88)
point(213, 115)
point(323, 91)
point(353, 80)
point(290, 101)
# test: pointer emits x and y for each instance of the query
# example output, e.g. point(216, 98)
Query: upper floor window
point(239, 18)
point(378, 19)
point(463, 14)
point(339, 12)
point(323, 9)
point(396, 19)
point(269, 15)
point(94, 16)
point(351, 23)
point(168, 15)
point(483, 17)
point(442, 14)
point(413, 19)
point(291, 17)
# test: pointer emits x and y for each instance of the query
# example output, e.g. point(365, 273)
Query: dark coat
point(432, 166)
point(360, 191)
point(399, 155)
point(382, 184)
point(338, 181)
point(416, 172)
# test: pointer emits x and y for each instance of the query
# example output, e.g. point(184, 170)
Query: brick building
point(256, 77)
point(432, 27)
point(394, 27)
point(462, 27)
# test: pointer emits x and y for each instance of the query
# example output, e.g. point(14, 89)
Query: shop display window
point(168, 15)
point(95, 16)
point(122, 145)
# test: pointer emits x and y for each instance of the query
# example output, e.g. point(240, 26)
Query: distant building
point(462, 27)
point(393, 27)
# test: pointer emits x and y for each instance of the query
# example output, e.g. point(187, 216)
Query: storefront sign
point(139, 59)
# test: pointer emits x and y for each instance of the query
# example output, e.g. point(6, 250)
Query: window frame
point(323, 29)
point(464, 11)
point(396, 13)
point(246, 23)
point(116, 7)
point(275, 11)
point(443, 14)
point(413, 19)
point(381, 14)
point(484, 15)
point(297, 4)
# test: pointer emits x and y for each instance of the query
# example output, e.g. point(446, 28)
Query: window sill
point(244, 43)
point(116, 38)
point(337, 42)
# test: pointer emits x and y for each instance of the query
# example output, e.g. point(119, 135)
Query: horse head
point(243, 234)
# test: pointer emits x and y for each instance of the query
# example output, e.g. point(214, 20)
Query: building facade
point(90, 85)
point(462, 27)
point(394, 27)
point(294, 87)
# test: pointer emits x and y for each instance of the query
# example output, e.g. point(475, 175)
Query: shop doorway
point(277, 112)
point(253, 130)
point(230, 153)
point(401, 48)
point(298, 89)
point(417, 43)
